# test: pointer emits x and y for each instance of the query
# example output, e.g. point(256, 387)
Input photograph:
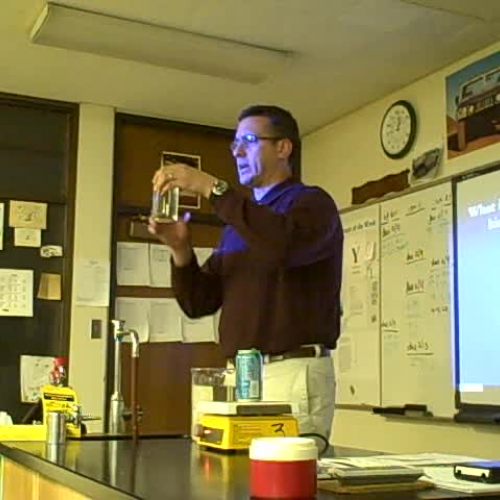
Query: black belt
point(310, 351)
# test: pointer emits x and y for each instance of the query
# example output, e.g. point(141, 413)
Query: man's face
point(256, 161)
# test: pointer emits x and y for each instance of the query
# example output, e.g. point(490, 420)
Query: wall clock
point(398, 129)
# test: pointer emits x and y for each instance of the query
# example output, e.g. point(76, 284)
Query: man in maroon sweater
point(276, 272)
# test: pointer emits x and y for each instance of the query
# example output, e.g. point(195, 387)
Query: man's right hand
point(176, 236)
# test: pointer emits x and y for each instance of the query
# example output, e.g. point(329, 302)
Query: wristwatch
point(219, 188)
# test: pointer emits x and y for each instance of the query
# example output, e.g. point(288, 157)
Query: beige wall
point(93, 218)
point(340, 156)
point(347, 154)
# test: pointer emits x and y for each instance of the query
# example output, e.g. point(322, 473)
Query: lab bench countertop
point(160, 468)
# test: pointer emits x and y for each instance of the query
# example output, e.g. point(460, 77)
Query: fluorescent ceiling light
point(75, 29)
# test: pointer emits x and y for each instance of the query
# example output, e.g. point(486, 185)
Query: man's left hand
point(184, 177)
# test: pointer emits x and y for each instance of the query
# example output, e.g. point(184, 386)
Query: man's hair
point(284, 126)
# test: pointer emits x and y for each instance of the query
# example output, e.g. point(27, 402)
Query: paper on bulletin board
point(28, 214)
point(165, 321)
point(16, 292)
point(2, 210)
point(159, 266)
point(48, 251)
point(132, 264)
point(49, 287)
point(35, 372)
point(203, 329)
point(202, 254)
point(135, 312)
point(27, 237)
point(91, 286)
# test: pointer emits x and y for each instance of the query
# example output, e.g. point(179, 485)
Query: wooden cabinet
point(50, 490)
point(19, 482)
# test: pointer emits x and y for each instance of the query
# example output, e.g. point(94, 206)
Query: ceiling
point(347, 53)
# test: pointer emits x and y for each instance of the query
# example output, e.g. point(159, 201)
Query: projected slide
point(478, 286)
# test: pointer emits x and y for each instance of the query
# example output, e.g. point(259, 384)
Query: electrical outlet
point(96, 329)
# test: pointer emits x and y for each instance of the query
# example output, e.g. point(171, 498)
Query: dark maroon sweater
point(276, 271)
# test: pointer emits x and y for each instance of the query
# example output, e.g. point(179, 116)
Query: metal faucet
point(117, 411)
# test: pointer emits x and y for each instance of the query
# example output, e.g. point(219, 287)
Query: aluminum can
point(56, 427)
point(248, 375)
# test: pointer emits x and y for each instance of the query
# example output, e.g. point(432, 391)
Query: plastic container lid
point(283, 449)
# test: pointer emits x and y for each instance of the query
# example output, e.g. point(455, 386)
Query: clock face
point(398, 129)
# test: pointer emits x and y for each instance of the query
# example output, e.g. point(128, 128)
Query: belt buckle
point(270, 358)
point(317, 349)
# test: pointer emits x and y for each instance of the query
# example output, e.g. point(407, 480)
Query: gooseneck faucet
point(117, 411)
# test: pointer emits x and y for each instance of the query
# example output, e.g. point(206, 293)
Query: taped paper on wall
point(165, 321)
point(91, 284)
point(132, 264)
point(159, 266)
point(201, 329)
point(135, 312)
point(162, 320)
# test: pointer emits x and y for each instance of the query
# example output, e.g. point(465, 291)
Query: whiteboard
point(357, 357)
point(416, 300)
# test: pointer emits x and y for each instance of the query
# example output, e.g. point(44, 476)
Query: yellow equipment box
point(20, 432)
point(54, 398)
point(63, 399)
point(232, 426)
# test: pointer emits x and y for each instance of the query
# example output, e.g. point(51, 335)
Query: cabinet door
point(164, 368)
point(55, 491)
point(18, 482)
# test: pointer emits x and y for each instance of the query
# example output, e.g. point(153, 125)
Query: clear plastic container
point(210, 384)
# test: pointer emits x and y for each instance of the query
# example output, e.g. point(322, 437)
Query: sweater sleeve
point(300, 236)
point(198, 290)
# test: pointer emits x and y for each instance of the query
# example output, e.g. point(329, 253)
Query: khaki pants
point(309, 384)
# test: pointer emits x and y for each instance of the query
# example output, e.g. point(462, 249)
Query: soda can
point(248, 375)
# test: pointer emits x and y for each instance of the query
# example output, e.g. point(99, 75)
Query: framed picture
point(473, 106)
point(187, 199)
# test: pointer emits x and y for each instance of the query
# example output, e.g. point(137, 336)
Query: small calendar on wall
point(16, 292)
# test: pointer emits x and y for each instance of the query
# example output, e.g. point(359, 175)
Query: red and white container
point(283, 467)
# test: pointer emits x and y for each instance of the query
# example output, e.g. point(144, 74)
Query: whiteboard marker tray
point(245, 407)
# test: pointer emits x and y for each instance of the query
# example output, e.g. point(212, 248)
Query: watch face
point(398, 129)
point(220, 187)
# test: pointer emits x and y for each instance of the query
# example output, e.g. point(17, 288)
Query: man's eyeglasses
point(248, 139)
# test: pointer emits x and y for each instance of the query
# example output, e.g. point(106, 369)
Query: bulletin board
point(37, 165)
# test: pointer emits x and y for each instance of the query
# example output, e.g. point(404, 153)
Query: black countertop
point(165, 468)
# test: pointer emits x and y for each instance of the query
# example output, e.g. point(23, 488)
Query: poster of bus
point(473, 106)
